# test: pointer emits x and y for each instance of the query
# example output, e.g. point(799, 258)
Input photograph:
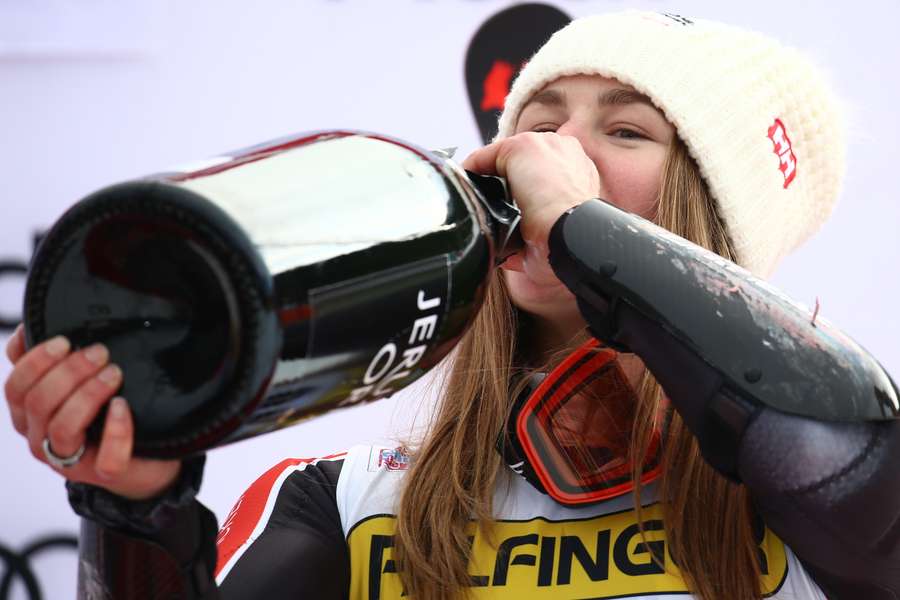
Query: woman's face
point(625, 136)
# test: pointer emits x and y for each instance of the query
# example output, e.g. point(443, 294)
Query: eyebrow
point(619, 96)
point(613, 97)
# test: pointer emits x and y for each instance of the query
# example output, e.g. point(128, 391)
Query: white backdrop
point(98, 91)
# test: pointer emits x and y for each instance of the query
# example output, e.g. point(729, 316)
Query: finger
point(32, 366)
point(66, 428)
point(51, 390)
point(116, 444)
point(15, 346)
point(17, 416)
point(484, 160)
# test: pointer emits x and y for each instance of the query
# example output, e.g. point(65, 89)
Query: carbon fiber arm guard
point(781, 401)
point(146, 550)
point(117, 566)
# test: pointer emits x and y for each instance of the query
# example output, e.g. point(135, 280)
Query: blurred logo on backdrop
point(12, 273)
point(17, 565)
point(498, 50)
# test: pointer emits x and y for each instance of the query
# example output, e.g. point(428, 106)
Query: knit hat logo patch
point(787, 161)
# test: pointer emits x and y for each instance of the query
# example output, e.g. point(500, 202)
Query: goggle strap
point(508, 444)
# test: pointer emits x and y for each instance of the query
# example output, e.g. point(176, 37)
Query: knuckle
point(77, 366)
point(94, 392)
point(19, 380)
point(19, 422)
point(13, 397)
point(36, 451)
point(116, 433)
point(571, 141)
point(112, 460)
point(13, 344)
point(112, 466)
point(519, 139)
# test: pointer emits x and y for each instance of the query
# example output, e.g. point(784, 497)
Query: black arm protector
point(782, 401)
point(146, 550)
point(122, 565)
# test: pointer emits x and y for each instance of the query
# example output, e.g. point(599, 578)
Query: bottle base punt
point(177, 293)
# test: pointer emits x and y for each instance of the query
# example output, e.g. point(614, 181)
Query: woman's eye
point(544, 129)
point(628, 134)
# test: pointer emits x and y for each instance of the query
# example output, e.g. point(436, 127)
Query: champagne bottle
point(261, 287)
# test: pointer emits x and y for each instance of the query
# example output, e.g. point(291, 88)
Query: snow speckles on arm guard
point(791, 407)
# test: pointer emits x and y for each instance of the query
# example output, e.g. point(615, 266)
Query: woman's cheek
point(632, 186)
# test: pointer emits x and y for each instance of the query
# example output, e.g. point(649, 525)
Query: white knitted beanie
point(765, 129)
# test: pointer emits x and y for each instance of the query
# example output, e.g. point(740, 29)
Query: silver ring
point(61, 462)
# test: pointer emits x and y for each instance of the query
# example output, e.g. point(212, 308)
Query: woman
point(719, 136)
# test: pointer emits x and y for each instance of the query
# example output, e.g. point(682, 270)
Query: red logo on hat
point(787, 161)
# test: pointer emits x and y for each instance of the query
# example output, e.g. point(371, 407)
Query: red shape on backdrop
point(498, 49)
point(496, 85)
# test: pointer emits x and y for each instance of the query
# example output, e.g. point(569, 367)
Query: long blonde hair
point(708, 520)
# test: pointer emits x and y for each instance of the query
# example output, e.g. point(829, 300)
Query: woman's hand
point(55, 393)
point(547, 174)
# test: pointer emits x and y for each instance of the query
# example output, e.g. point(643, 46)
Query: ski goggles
point(570, 431)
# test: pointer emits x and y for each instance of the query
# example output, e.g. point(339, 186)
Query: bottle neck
point(503, 214)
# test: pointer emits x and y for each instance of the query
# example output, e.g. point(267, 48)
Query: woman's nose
point(577, 130)
point(585, 136)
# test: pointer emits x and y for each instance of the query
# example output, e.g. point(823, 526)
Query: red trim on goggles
point(575, 429)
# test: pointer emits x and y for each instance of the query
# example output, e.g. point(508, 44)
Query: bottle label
point(382, 327)
point(370, 336)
